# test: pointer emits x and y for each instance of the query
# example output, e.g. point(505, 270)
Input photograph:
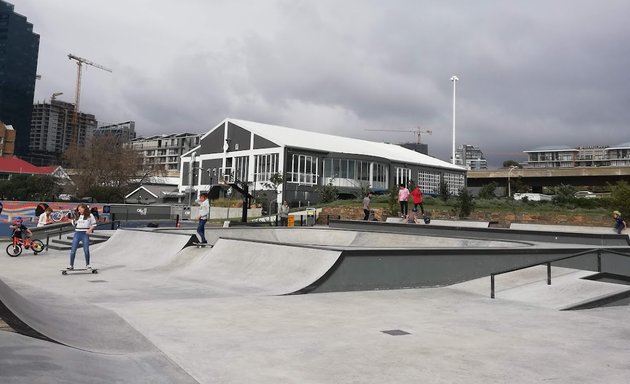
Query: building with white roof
point(252, 152)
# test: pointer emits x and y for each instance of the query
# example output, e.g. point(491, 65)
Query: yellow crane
point(74, 139)
point(418, 131)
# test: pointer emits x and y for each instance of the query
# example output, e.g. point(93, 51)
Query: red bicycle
point(17, 245)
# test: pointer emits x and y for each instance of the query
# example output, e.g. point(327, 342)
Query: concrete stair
point(65, 243)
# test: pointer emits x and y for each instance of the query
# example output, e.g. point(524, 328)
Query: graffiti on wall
point(29, 211)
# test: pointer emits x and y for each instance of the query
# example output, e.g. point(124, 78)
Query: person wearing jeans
point(84, 224)
point(204, 211)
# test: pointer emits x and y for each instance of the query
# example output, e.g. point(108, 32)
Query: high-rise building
point(51, 130)
point(471, 157)
point(124, 132)
point(19, 48)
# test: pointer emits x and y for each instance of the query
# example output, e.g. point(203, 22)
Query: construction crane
point(74, 139)
point(418, 131)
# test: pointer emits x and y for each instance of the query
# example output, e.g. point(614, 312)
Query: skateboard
point(65, 271)
point(202, 245)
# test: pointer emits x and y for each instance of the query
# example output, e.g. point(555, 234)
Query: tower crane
point(74, 139)
point(418, 131)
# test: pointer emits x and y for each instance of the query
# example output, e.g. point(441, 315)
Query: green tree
point(328, 192)
point(30, 187)
point(444, 192)
point(620, 198)
point(487, 191)
point(464, 203)
point(564, 194)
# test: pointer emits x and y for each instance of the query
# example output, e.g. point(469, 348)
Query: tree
point(104, 164)
point(620, 198)
point(328, 192)
point(465, 203)
point(30, 187)
point(444, 191)
point(564, 194)
point(487, 191)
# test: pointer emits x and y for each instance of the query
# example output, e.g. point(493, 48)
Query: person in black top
point(20, 230)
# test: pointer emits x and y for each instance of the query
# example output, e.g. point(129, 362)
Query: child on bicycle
point(20, 231)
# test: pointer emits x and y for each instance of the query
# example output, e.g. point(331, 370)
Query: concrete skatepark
point(350, 303)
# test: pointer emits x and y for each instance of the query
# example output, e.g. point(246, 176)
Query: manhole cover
point(396, 332)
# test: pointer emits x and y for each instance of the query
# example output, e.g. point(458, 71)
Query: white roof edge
point(139, 188)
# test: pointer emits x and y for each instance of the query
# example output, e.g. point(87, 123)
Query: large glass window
point(455, 182)
point(303, 169)
point(403, 175)
point(265, 166)
point(429, 181)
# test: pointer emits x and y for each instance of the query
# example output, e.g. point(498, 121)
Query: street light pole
point(513, 167)
point(454, 79)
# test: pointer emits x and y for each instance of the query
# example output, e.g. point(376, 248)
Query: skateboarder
point(204, 210)
point(620, 224)
point(84, 224)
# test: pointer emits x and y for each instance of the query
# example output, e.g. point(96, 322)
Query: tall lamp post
point(513, 167)
point(454, 79)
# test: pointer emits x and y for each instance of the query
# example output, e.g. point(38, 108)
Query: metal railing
point(598, 251)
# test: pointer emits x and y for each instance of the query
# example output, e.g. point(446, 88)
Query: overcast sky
point(532, 73)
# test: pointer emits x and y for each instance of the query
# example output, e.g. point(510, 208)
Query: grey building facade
point(19, 50)
point(250, 152)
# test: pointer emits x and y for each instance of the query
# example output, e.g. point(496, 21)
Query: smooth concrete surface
point(564, 228)
point(162, 314)
point(451, 223)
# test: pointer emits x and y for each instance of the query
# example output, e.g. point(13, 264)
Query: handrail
point(548, 263)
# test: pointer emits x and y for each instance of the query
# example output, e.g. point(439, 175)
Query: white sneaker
point(70, 268)
point(88, 267)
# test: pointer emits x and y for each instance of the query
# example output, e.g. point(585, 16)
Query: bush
point(328, 192)
point(620, 198)
point(487, 191)
point(464, 203)
point(444, 193)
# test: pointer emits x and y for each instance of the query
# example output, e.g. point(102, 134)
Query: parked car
point(585, 195)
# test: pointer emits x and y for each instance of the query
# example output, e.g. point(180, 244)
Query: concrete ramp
point(138, 249)
point(242, 267)
point(72, 323)
point(529, 286)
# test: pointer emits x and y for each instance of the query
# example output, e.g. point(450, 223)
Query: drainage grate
point(97, 281)
point(396, 332)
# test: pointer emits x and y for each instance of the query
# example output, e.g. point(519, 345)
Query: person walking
point(204, 211)
point(417, 199)
point(366, 206)
point(620, 224)
point(403, 195)
point(84, 224)
point(284, 214)
point(44, 218)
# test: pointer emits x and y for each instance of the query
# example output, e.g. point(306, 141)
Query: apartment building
point(51, 130)
point(124, 132)
point(162, 152)
point(563, 156)
point(471, 157)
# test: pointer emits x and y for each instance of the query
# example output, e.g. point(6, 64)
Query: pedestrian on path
point(403, 195)
point(84, 223)
point(366, 206)
point(284, 214)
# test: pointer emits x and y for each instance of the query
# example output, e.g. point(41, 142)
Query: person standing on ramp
point(84, 224)
point(204, 210)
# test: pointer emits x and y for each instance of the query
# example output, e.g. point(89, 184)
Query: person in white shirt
point(204, 211)
point(44, 218)
point(84, 224)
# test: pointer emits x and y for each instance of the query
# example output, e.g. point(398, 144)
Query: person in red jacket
point(417, 199)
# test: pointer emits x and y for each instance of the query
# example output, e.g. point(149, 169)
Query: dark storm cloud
point(531, 73)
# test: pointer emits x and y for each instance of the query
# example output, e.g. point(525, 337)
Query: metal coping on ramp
point(599, 239)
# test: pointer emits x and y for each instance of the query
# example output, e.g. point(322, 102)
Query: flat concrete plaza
point(159, 311)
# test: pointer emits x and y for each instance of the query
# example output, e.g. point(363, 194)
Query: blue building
point(19, 49)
